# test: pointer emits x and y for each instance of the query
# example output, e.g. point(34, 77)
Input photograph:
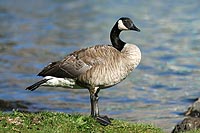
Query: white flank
point(61, 82)
point(121, 26)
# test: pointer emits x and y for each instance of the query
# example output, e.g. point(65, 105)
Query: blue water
point(34, 33)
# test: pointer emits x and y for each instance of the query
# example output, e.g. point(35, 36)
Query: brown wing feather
point(53, 69)
point(76, 63)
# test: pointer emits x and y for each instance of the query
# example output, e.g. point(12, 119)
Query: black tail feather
point(36, 85)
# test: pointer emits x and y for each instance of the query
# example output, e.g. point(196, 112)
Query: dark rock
point(13, 105)
point(194, 110)
point(190, 123)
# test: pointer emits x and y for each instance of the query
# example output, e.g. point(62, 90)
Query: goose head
point(122, 24)
point(125, 23)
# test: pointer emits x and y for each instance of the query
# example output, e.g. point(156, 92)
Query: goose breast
point(109, 66)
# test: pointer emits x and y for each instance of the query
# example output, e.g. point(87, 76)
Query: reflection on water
point(35, 33)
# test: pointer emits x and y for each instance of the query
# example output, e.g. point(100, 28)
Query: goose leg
point(104, 120)
point(94, 105)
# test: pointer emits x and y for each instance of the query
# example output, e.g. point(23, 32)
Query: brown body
point(98, 66)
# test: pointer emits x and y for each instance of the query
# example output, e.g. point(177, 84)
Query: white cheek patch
point(121, 26)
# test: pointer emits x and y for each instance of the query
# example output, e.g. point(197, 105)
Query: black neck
point(114, 37)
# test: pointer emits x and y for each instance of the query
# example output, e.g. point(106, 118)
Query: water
point(34, 33)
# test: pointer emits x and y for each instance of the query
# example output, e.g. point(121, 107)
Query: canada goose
point(95, 67)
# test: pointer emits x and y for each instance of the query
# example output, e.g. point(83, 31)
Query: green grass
point(193, 131)
point(52, 122)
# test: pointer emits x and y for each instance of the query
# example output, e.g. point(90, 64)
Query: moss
point(61, 122)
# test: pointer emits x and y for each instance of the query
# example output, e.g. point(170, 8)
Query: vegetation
point(44, 122)
point(193, 131)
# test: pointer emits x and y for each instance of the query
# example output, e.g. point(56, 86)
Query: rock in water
point(192, 121)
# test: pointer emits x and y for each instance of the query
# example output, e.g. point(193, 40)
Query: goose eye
point(127, 23)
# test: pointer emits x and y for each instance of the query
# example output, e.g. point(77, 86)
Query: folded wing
point(74, 64)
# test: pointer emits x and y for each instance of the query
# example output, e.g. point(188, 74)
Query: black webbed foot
point(103, 120)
